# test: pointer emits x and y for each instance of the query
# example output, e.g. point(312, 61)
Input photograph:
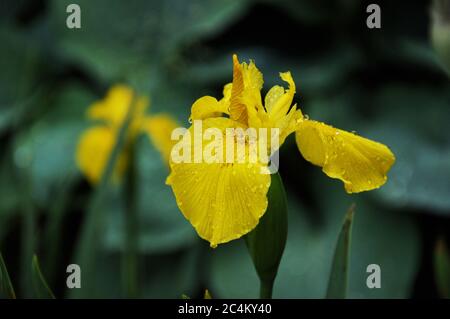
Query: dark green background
point(387, 84)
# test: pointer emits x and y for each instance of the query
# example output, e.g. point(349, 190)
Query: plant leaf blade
point(6, 287)
point(338, 282)
point(40, 285)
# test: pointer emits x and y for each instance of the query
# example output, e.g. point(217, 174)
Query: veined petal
point(253, 78)
point(237, 109)
point(272, 97)
point(159, 128)
point(360, 163)
point(207, 106)
point(223, 201)
point(93, 151)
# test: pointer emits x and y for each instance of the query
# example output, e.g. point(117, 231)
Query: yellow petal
point(206, 107)
point(223, 201)
point(237, 109)
point(114, 107)
point(253, 78)
point(93, 151)
point(278, 102)
point(360, 163)
point(159, 128)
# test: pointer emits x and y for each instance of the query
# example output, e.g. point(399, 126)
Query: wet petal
point(206, 107)
point(223, 201)
point(279, 101)
point(360, 163)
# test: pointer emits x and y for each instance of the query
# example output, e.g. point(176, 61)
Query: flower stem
point(265, 291)
point(85, 252)
point(130, 254)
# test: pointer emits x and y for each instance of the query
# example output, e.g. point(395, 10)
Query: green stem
point(86, 248)
point(265, 291)
point(28, 237)
point(53, 231)
point(130, 254)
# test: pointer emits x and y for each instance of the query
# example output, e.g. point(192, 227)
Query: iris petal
point(93, 151)
point(360, 163)
point(223, 201)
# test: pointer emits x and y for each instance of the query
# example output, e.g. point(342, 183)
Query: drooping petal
point(223, 201)
point(159, 128)
point(93, 151)
point(360, 163)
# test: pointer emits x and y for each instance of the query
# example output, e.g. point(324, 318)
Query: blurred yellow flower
point(225, 201)
point(96, 143)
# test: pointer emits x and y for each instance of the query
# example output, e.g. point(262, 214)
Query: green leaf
point(19, 76)
point(149, 32)
point(51, 142)
point(440, 31)
point(338, 282)
point(40, 285)
point(267, 241)
point(442, 268)
point(6, 287)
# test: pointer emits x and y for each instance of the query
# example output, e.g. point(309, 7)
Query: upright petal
point(237, 109)
point(278, 101)
point(360, 163)
point(114, 107)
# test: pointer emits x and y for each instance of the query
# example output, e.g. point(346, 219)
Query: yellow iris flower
point(96, 143)
point(226, 201)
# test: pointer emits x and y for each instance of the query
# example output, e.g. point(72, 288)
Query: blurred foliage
point(388, 85)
